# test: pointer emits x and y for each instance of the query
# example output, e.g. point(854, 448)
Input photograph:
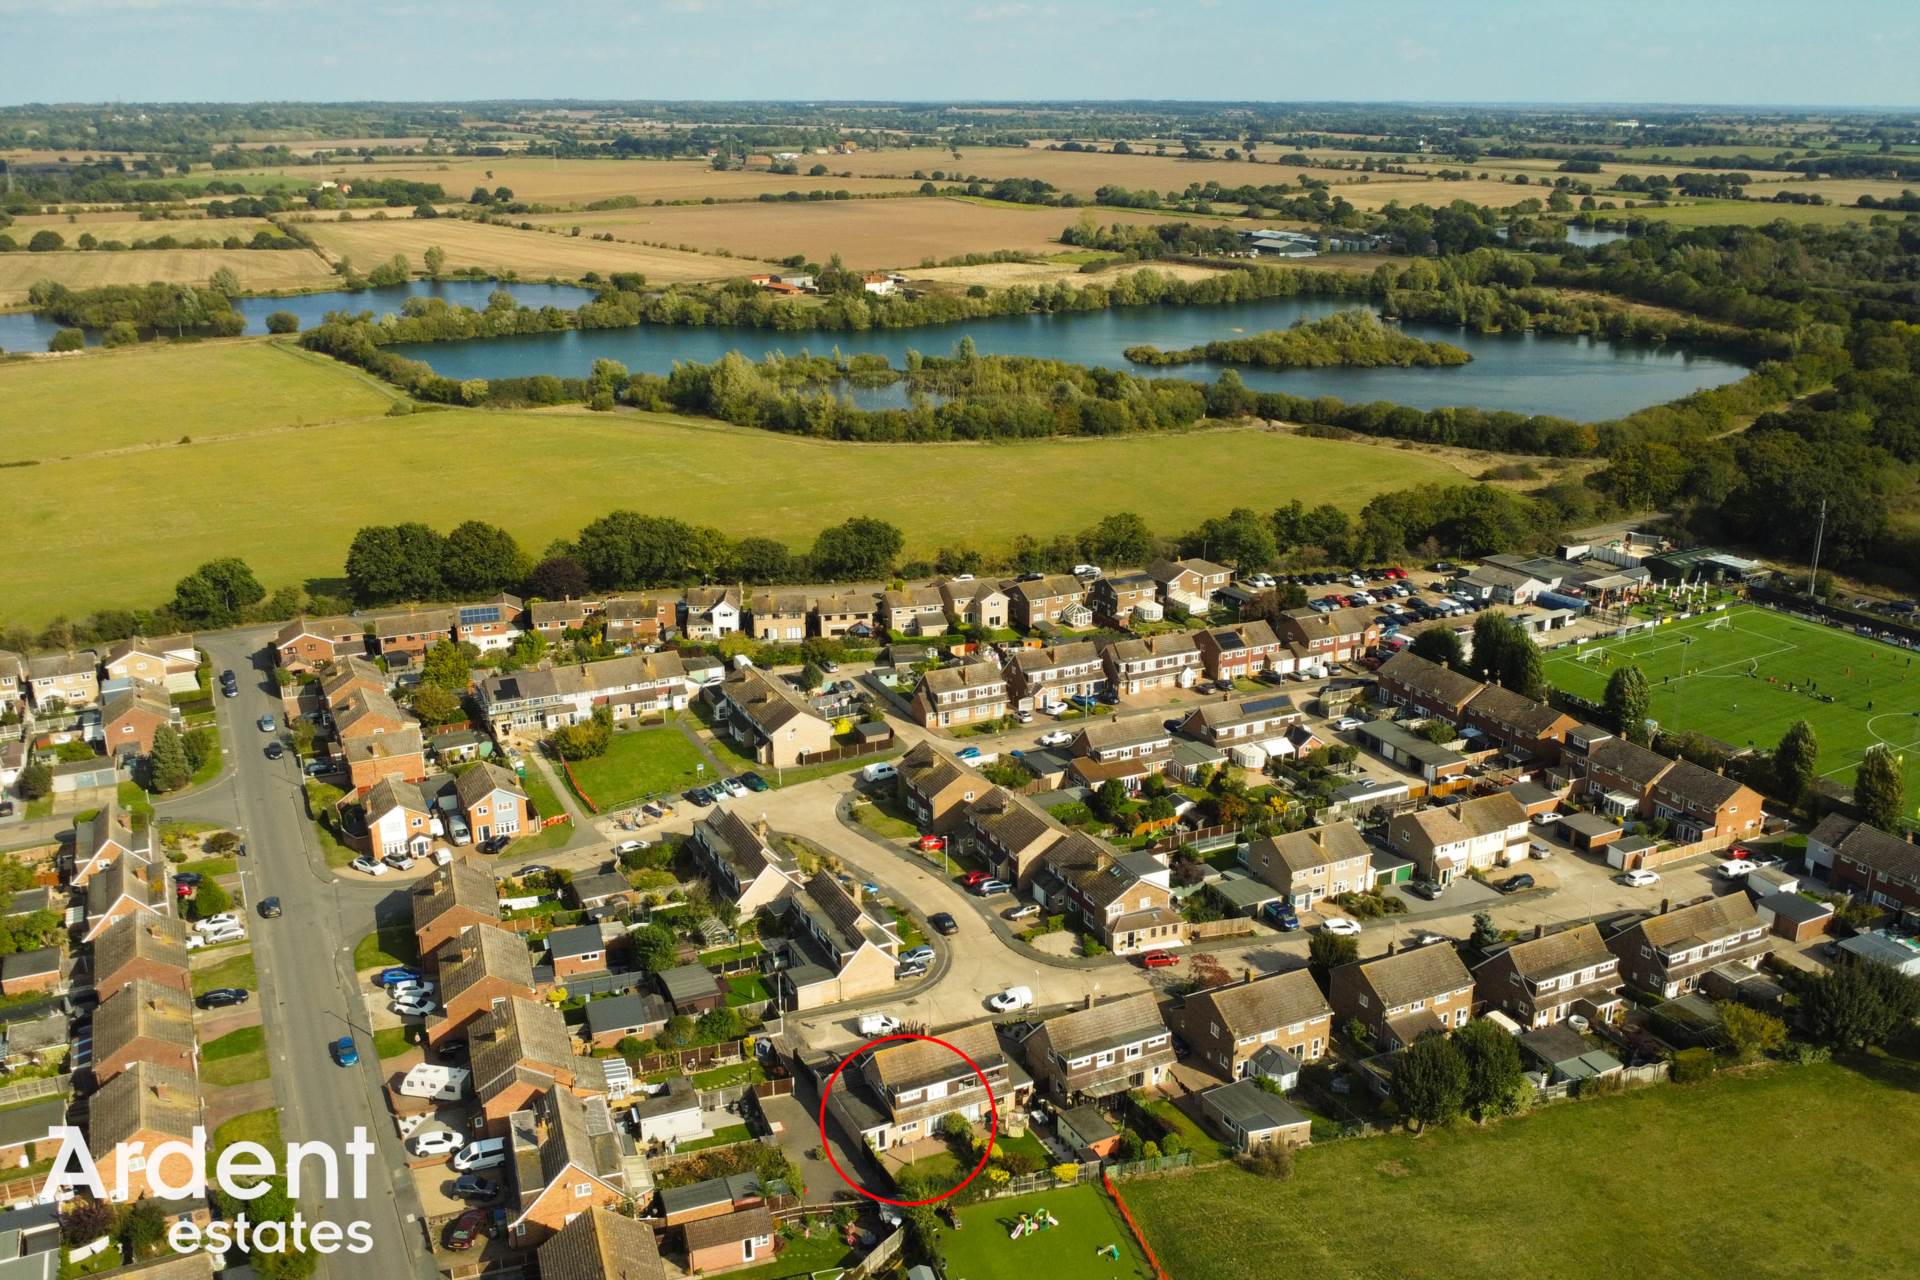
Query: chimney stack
point(1540, 930)
point(1666, 904)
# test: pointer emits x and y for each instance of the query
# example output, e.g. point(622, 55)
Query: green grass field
point(1573, 1190)
point(981, 1250)
point(291, 455)
point(235, 971)
point(640, 762)
point(1700, 681)
point(238, 1057)
point(1747, 213)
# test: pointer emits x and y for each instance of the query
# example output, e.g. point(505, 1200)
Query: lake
point(1592, 237)
point(1570, 377)
point(25, 331)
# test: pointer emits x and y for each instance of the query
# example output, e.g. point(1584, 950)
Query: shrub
point(1066, 1172)
point(1691, 1066)
point(67, 340)
point(283, 322)
point(1272, 1162)
point(1601, 1086)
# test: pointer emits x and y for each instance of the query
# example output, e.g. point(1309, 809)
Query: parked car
point(266, 724)
point(733, 787)
point(344, 1053)
point(224, 997)
point(215, 924)
point(930, 843)
point(1428, 889)
point(270, 908)
point(413, 1007)
point(1424, 938)
point(1024, 911)
point(220, 937)
point(698, 796)
point(629, 846)
point(465, 1230)
point(905, 972)
point(1055, 738)
point(1341, 927)
point(880, 771)
point(187, 879)
point(943, 923)
point(471, 1186)
point(1159, 960)
point(753, 781)
point(1733, 869)
point(457, 829)
point(987, 888)
point(877, 1024)
point(398, 974)
point(1514, 884)
point(1346, 724)
point(399, 860)
point(967, 753)
point(435, 1142)
point(413, 989)
point(317, 767)
point(367, 864)
point(1011, 1000)
point(654, 811)
point(1639, 879)
point(1281, 916)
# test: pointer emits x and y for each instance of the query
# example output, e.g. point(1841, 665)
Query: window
point(582, 1189)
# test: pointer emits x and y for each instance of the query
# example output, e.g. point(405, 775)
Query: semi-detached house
point(978, 602)
point(1861, 859)
point(1448, 841)
point(547, 698)
point(1047, 601)
point(1189, 583)
point(914, 611)
point(1165, 661)
point(1098, 1052)
point(1242, 650)
point(1338, 635)
point(1541, 981)
point(1226, 1026)
point(1314, 863)
point(903, 1091)
point(743, 863)
point(1051, 675)
point(963, 694)
point(1403, 996)
point(767, 719)
point(1625, 780)
point(1667, 953)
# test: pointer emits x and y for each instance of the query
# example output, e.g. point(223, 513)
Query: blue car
point(398, 974)
point(344, 1052)
point(1281, 916)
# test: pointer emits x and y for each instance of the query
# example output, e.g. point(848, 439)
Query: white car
point(371, 866)
point(629, 846)
point(488, 1153)
point(417, 989)
point(1346, 724)
point(1056, 738)
point(1341, 927)
point(220, 937)
point(436, 1142)
point(918, 955)
point(1639, 879)
point(1024, 911)
point(1011, 1000)
point(195, 941)
point(399, 861)
point(217, 924)
point(1733, 869)
point(413, 1007)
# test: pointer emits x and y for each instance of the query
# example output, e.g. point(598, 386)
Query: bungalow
point(127, 886)
point(169, 662)
point(490, 624)
point(1426, 688)
point(479, 969)
point(977, 602)
point(518, 1050)
point(566, 1157)
point(1227, 1026)
point(1189, 583)
point(1243, 650)
point(834, 951)
point(1474, 835)
point(640, 619)
point(744, 1238)
point(936, 788)
point(400, 755)
point(1166, 661)
point(745, 865)
point(602, 1245)
point(579, 949)
point(1050, 676)
point(843, 613)
point(397, 819)
point(711, 612)
point(1044, 601)
point(1540, 981)
point(150, 949)
point(144, 1022)
point(961, 694)
point(1116, 598)
point(914, 611)
point(454, 899)
point(105, 838)
point(1254, 1120)
point(768, 719)
point(1864, 860)
point(1339, 635)
point(1404, 995)
point(778, 617)
point(1098, 1052)
point(1667, 953)
point(1007, 833)
point(637, 1014)
point(493, 801)
point(70, 679)
point(131, 1116)
point(905, 1090)
point(1314, 863)
point(306, 644)
point(404, 638)
point(548, 698)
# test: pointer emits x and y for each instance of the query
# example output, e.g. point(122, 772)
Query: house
point(1111, 740)
point(834, 950)
point(400, 755)
point(404, 638)
point(768, 719)
point(1314, 863)
point(1007, 833)
point(743, 863)
point(455, 898)
point(975, 602)
point(1260, 721)
point(1426, 688)
point(1098, 1052)
point(936, 788)
point(962, 694)
point(778, 617)
point(1045, 601)
point(1226, 1026)
point(1339, 635)
point(133, 1114)
point(1404, 995)
point(1254, 1120)
point(518, 1050)
point(1166, 661)
point(906, 1089)
point(576, 950)
point(1189, 583)
point(637, 1014)
point(554, 618)
point(1116, 598)
point(1242, 650)
point(397, 819)
point(640, 619)
point(602, 1245)
point(567, 1158)
point(490, 624)
point(1050, 676)
point(746, 1237)
point(692, 989)
point(144, 1022)
point(105, 838)
point(1452, 840)
point(360, 714)
point(1124, 899)
point(1442, 768)
point(710, 612)
point(914, 611)
point(1567, 1055)
point(1499, 584)
point(13, 682)
point(1528, 731)
point(493, 802)
point(1860, 859)
point(306, 644)
point(23, 972)
point(128, 886)
point(1542, 980)
point(1667, 953)
point(1629, 781)
point(479, 969)
point(169, 662)
point(547, 698)
point(843, 613)
point(144, 948)
point(67, 679)
point(27, 1137)
point(341, 676)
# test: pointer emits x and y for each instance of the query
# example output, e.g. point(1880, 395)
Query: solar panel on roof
point(1274, 702)
point(477, 614)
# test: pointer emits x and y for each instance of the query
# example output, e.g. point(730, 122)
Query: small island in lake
point(1353, 339)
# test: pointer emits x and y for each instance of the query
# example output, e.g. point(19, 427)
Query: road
point(308, 993)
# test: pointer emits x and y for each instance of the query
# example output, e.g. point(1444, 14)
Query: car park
point(1012, 1000)
point(270, 908)
point(1639, 879)
point(943, 923)
point(224, 997)
point(1159, 960)
point(343, 1052)
point(367, 864)
point(1341, 927)
point(465, 1231)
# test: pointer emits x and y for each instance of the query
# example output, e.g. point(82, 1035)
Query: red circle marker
point(993, 1121)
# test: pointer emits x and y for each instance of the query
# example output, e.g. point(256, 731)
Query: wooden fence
point(852, 751)
point(35, 1087)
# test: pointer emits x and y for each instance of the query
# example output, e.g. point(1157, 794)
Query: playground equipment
point(1039, 1220)
point(1109, 1251)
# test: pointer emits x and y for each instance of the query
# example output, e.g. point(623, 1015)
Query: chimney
point(1540, 930)
point(1666, 904)
point(159, 1091)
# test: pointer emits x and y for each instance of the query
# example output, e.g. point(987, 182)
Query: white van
point(877, 1024)
point(880, 771)
point(487, 1153)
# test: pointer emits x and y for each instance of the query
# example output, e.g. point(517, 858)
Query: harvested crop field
point(502, 249)
point(105, 224)
point(259, 269)
point(1386, 188)
point(1080, 172)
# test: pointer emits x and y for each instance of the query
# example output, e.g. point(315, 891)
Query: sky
point(1749, 52)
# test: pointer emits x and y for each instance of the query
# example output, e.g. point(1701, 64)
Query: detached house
point(906, 1089)
point(518, 1050)
point(1243, 650)
point(1166, 661)
point(768, 719)
point(400, 755)
point(1859, 859)
point(842, 614)
point(1045, 601)
point(1339, 635)
point(568, 1157)
point(1667, 953)
point(962, 694)
point(1190, 583)
point(308, 643)
point(1260, 721)
point(1050, 676)
point(914, 611)
point(834, 950)
point(168, 662)
point(1226, 1026)
point(1098, 1052)
point(1405, 995)
point(778, 617)
point(1474, 835)
point(131, 1115)
point(977, 602)
point(740, 860)
point(1540, 981)
point(711, 612)
point(454, 899)
point(104, 839)
point(936, 788)
point(397, 818)
point(748, 1236)
point(1314, 863)
point(1125, 899)
point(1117, 597)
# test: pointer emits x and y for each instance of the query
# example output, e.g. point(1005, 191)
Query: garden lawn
point(639, 763)
point(884, 820)
point(394, 1042)
point(262, 1127)
point(214, 867)
point(1572, 1189)
point(392, 944)
point(802, 1257)
point(721, 1137)
point(236, 971)
point(981, 1250)
point(238, 1057)
point(546, 804)
point(1205, 1147)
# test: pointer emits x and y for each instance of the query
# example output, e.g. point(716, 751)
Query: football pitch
point(1747, 679)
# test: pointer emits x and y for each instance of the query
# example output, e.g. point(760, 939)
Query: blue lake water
point(1571, 377)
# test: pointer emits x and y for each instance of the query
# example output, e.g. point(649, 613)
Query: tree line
point(1352, 339)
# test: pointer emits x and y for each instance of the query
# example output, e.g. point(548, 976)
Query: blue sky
point(1842, 52)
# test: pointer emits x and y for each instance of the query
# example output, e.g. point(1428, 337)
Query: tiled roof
point(462, 883)
point(1009, 820)
point(518, 1033)
point(1276, 1000)
point(478, 954)
point(1035, 661)
point(142, 1010)
point(766, 702)
point(1698, 785)
point(1559, 953)
point(143, 1097)
point(1437, 683)
point(1419, 974)
point(1255, 633)
point(729, 1228)
point(1516, 710)
point(1636, 764)
point(916, 1063)
point(1312, 847)
point(1116, 1022)
point(1484, 815)
point(482, 780)
point(1702, 922)
point(161, 939)
point(1874, 847)
point(602, 1245)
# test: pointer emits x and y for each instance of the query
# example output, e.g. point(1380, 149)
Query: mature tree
point(1795, 762)
point(1430, 1081)
point(1239, 538)
point(654, 948)
point(435, 704)
point(436, 260)
point(481, 557)
point(760, 562)
point(1328, 951)
point(1441, 645)
point(67, 340)
point(1626, 703)
point(209, 899)
point(1485, 932)
point(45, 241)
point(1271, 606)
point(1505, 654)
point(626, 549)
point(203, 744)
point(1878, 788)
point(1119, 539)
point(1858, 1003)
point(1108, 801)
point(36, 781)
point(1750, 1031)
point(1326, 527)
point(215, 594)
point(167, 768)
point(557, 578)
point(282, 322)
point(859, 548)
point(226, 281)
point(448, 665)
point(1496, 1078)
point(386, 563)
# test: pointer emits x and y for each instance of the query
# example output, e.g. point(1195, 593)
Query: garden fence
point(37, 1087)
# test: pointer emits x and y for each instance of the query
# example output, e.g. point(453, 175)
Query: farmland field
point(1743, 213)
point(259, 269)
point(1080, 172)
point(528, 253)
point(115, 224)
point(1736, 683)
point(289, 501)
point(1467, 1201)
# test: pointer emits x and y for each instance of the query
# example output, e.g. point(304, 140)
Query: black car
point(187, 877)
point(1514, 884)
point(472, 1186)
point(269, 908)
point(943, 922)
point(275, 751)
point(699, 796)
point(1171, 726)
point(224, 997)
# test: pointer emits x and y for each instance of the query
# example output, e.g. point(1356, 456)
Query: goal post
point(1721, 623)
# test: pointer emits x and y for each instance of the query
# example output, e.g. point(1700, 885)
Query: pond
point(1571, 377)
point(25, 331)
point(1592, 237)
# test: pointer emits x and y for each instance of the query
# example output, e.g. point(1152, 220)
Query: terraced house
point(963, 694)
point(1526, 730)
point(768, 719)
point(1402, 996)
point(1008, 834)
point(1169, 660)
point(1541, 981)
point(547, 698)
point(1098, 1052)
point(404, 638)
point(1426, 688)
point(520, 1049)
point(1052, 675)
point(1667, 953)
point(1226, 1026)
point(1339, 635)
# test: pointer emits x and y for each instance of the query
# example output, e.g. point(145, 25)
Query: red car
point(466, 1229)
point(1159, 959)
point(976, 877)
point(1395, 573)
point(932, 843)
point(1740, 851)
